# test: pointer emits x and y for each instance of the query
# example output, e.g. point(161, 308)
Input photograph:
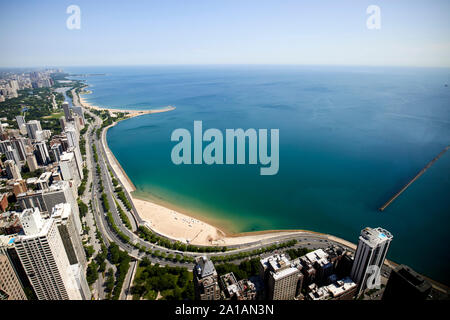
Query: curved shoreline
point(212, 233)
point(245, 238)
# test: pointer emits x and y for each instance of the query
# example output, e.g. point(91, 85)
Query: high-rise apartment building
point(4, 145)
point(371, 251)
point(12, 154)
point(42, 155)
point(20, 121)
point(19, 144)
point(280, 277)
point(67, 113)
point(10, 285)
point(62, 123)
point(8, 249)
point(206, 281)
point(72, 136)
point(65, 220)
point(46, 200)
point(42, 254)
point(32, 162)
point(32, 126)
point(69, 168)
point(79, 111)
point(405, 284)
point(12, 170)
point(57, 151)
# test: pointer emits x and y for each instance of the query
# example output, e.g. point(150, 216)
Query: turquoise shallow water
point(349, 139)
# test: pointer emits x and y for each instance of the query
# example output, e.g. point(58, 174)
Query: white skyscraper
point(69, 168)
point(64, 217)
point(43, 256)
point(372, 249)
point(65, 220)
point(73, 137)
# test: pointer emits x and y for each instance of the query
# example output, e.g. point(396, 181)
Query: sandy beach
point(180, 226)
point(131, 113)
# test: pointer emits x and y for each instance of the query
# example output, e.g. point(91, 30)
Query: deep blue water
point(349, 139)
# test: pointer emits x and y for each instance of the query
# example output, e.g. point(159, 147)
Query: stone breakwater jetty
point(383, 207)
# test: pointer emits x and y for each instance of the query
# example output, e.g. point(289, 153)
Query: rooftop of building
point(44, 177)
point(375, 236)
point(317, 256)
point(331, 291)
point(284, 273)
point(66, 156)
point(247, 285)
point(46, 224)
point(276, 262)
point(61, 211)
point(7, 241)
point(228, 279)
point(55, 186)
point(204, 267)
point(412, 277)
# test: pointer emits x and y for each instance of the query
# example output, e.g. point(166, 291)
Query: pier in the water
point(413, 179)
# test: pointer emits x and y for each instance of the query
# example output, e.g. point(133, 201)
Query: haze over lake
point(350, 137)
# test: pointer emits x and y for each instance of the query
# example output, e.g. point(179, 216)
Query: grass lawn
point(55, 115)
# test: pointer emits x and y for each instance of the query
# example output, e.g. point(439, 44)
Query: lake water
point(350, 137)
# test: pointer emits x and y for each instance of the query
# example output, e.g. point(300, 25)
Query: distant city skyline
point(325, 32)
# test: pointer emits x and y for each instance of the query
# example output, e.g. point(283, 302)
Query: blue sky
point(307, 32)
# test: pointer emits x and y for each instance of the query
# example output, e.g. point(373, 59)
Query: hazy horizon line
point(223, 64)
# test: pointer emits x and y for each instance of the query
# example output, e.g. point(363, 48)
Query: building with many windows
point(10, 285)
point(206, 282)
point(43, 256)
point(65, 220)
point(280, 276)
point(370, 254)
point(32, 126)
point(12, 170)
point(46, 200)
